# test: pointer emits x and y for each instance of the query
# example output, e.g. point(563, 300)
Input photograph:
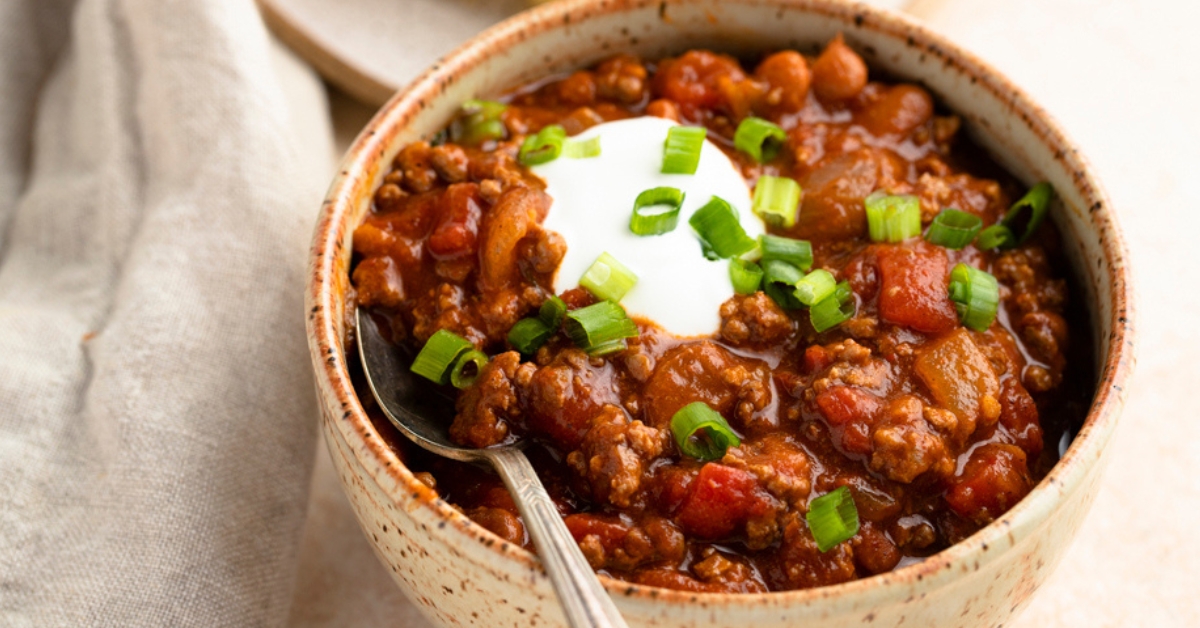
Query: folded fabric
point(160, 167)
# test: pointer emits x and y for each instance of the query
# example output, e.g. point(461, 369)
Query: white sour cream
point(677, 287)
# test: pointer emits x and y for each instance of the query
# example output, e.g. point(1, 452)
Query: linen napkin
point(161, 163)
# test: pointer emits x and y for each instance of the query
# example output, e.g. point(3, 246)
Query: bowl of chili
point(902, 411)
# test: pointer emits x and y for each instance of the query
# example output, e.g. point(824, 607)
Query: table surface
point(1121, 77)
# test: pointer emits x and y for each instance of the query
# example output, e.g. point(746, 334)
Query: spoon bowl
point(422, 413)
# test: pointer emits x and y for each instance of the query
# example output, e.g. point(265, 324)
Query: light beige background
point(1123, 78)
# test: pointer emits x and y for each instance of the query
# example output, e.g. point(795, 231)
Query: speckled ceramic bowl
point(461, 574)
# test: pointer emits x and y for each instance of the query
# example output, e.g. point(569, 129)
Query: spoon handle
point(583, 599)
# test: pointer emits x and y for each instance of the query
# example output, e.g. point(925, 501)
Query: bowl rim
point(1018, 522)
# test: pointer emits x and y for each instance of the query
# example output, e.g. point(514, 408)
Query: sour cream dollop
point(677, 287)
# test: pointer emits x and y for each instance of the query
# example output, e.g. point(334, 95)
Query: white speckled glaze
point(460, 574)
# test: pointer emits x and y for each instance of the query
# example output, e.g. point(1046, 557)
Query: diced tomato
point(816, 358)
point(722, 499)
point(457, 229)
point(913, 287)
point(994, 478)
point(1019, 416)
point(849, 412)
point(611, 534)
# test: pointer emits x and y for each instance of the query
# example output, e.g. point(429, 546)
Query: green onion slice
point(467, 368)
point(995, 236)
point(647, 223)
point(976, 296)
point(815, 286)
point(608, 279)
point(608, 347)
point(552, 312)
point(543, 147)
point(434, 360)
point(779, 282)
point(834, 309)
point(745, 276)
point(832, 518)
point(597, 327)
point(480, 121)
point(681, 151)
point(953, 228)
point(798, 253)
point(717, 225)
point(701, 432)
point(759, 138)
point(893, 218)
point(582, 149)
point(529, 334)
point(776, 200)
point(1027, 214)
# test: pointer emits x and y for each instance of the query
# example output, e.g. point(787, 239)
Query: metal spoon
point(425, 420)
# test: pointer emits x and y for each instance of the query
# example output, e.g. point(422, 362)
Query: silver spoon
point(425, 421)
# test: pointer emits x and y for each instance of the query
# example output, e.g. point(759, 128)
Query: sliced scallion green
point(529, 334)
point(596, 327)
point(815, 286)
point(608, 278)
point(832, 518)
point(582, 149)
point(834, 309)
point(995, 236)
point(552, 312)
point(434, 360)
point(779, 282)
point(681, 150)
point(776, 200)
point(542, 147)
point(467, 368)
point(759, 138)
point(745, 276)
point(719, 229)
point(795, 252)
point(953, 228)
point(701, 432)
point(892, 218)
point(1027, 214)
point(645, 221)
point(479, 121)
point(976, 296)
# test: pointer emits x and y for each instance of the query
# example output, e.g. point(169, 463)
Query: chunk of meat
point(736, 387)
point(913, 293)
point(486, 408)
point(839, 73)
point(994, 479)
point(832, 205)
point(500, 522)
point(728, 572)
point(781, 465)
point(616, 455)
point(801, 565)
point(960, 378)
point(378, 282)
point(904, 446)
point(720, 501)
point(1019, 418)
point(754, 319)
point(566, 394)
point(622, 79)
point(610, 542)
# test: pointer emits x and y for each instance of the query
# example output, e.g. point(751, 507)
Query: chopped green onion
point(656, 223)
point(480, 121)
point(701, 432)
point(776, 200)
point(832, 518)
point(893, 218)
point(815, 286)
point(953, 228)
point(681, 151)
point(745, 276)
point(543, 147)
point(438, 355)
point(596, 327)
point(995, 236)
point(717, 225)
point(779, 282)
point(467, 368)
point(1026, 215)
point(608, 279)
point(529, 334)
point(552, 312)
point(759, 138)
point(834, 309)
point(795, 252)
point(976, 296)
point(582, 149)
point(609, 347)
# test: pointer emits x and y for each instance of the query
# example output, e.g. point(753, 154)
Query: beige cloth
point(157, 419)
